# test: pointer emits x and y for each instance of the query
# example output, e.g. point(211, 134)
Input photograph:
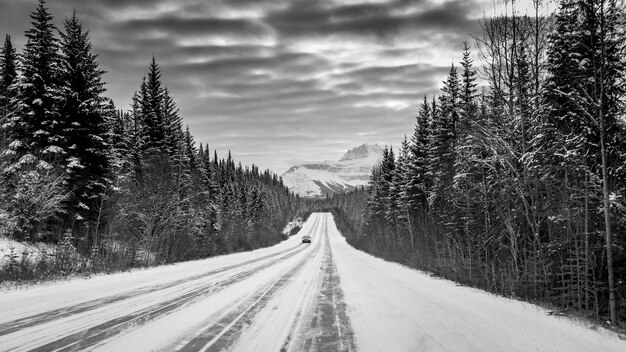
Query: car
point(306, 239)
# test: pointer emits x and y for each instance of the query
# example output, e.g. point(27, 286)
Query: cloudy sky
point(276, 81)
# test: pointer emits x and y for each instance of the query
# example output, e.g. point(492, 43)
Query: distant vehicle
point(306, 239)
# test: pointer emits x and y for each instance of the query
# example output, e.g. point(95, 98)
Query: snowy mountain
point(317, 179)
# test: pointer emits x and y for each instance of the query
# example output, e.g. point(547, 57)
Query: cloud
point(383, 20)
point(181, 28)
point(274, 80)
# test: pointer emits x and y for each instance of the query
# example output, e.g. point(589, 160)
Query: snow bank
point(292, 225)
point(28, 252)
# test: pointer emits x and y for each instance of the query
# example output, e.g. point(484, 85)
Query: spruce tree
point(388, 197)
point(400, 186)
point(172, 124)
point(468, 86)
point(37, 123)
point(444, 137)
point(32, 176)
point(190, 150)
point(136, 137)
point(523, 99)
point(417, 178)
point(8, 73)
point(84, 113)
point(153, 108)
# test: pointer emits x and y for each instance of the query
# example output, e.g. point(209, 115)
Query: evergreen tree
point(468, 88)
point(37, 124)
point(416, 192)
point(32, 162)
point(584, 90)
point(375, 206)
point(444, 136)
point(524, 115)
point(172, 123)
point(84, 112)
point(399, 189)
point(190, 150)
point(8, 73)
point(153, 108)
point(136, 135)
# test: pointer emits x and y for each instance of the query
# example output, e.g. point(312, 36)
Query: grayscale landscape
point(313, 175)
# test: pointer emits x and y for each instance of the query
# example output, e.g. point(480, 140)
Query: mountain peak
point(318, 179)
point(363, 151)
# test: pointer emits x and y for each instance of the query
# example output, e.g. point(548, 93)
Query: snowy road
point(324, 296)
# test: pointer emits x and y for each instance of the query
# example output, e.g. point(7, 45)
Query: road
point(323, 296)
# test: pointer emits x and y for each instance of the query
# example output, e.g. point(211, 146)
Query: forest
point(516, 185)
point(114, 188)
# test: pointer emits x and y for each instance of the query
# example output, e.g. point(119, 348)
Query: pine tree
point(566, 73)
point(523, 100)
point(37, 124)
point(444, 137)
point(84, 123)
point(468, 88)
point(31, 163)
point(190, 150)
point(379, 216)
point(416, 192)
point(153, 108)
point(8, 74)
point(136, 136)
point(400, 185)
point(172, 123)
point(375, 206)
point(118, 126)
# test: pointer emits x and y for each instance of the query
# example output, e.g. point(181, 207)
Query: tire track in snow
point(22, 323)
point(329, 328)
point(295, 331)
point(221, 333)
point(79, 340)
point(92, 336)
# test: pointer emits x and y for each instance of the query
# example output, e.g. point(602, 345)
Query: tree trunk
point(605, 172)
point(607, 223)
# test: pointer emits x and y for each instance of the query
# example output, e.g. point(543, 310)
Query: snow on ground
point(394, 308)
point(301, 180)
point(291, 225)
point(352, 170)
point(323, 296)
point(68, 312)
point(33, 252)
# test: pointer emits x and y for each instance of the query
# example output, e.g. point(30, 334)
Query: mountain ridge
point(326, 178)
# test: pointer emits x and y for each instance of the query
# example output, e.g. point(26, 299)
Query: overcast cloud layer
point(276, 80)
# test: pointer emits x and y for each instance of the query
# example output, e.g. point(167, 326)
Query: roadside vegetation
point(517, 188)
point(109, 187)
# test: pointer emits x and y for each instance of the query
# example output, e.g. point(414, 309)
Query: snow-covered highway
point(323, 296)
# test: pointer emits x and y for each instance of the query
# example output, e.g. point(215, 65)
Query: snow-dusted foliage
point(177, 200)
point(75, 169)
point(519, 188)
point(35, 199)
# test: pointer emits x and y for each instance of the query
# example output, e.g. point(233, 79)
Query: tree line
point(517, 187)
point(120, 187)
